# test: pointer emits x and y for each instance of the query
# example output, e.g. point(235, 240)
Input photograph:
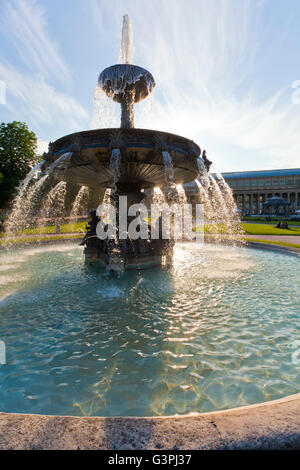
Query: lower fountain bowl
point(141, 162)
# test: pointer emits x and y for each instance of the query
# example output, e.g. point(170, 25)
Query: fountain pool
point(216, 330)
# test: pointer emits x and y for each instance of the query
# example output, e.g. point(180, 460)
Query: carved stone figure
point(207, 162)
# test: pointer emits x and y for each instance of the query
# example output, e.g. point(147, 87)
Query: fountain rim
point(128, 131)
point(270, 403)
point(137, 145)
point(280, 425)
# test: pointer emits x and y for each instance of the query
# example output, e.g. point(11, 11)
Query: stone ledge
point(272, 247)
point(269, 425)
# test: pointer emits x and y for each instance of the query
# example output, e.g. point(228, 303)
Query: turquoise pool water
point(220, 329)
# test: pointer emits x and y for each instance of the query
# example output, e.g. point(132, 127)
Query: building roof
point(261, 173)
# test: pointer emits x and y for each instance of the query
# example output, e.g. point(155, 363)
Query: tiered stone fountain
point(127, 160)
point(197, 337)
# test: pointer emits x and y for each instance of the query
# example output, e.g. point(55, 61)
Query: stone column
point(293, 200)
point(251, 203)
point(263, 198)
point(243, 202)
point(290, 208)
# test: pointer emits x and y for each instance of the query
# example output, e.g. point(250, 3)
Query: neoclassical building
point(252, 188)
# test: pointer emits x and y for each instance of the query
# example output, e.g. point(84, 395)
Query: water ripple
point(215, 331)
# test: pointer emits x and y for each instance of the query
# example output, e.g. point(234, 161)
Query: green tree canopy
point(18, 147)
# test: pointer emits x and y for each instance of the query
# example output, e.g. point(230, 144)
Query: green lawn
point(252, 229)
point(77, 227)
point(38, 239)
point(264, 229)
point(274, 221)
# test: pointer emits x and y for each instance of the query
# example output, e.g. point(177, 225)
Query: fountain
point(213, 331)
point(127, 160)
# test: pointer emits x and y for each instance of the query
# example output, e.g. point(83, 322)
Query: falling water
point(127, 49)
point(98, 93)
point(106, 197)
point(230, 203)
point(115, 166)
point(157, 196)
point(144, 113)
point(103, 113)
point(20, 218)
point(174, 193)
point(221, 220)
point(16, 218)
point(31, 201)
point(33, 172)
point(224, 212)
point(24, 184)
point(58, 168)
point(181, 194)
point(169, 170)
point(54, 205)
point(155, 202)
point(106, 200)
point(204, 198)
point(228, 194)
point(80, 202)
point(218, 200)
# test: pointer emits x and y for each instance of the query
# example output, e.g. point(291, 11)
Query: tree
point(17, 156)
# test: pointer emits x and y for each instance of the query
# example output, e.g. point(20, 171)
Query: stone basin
point(141, 157)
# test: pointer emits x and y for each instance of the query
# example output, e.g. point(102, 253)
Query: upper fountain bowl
point(121, 80)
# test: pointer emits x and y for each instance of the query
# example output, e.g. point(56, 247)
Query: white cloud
point(42, 147)
point(40, 104)
point(32, 95)
point(269, 127)
point(203, 56)
point(24, 22)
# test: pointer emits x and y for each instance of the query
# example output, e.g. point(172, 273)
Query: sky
point(227, 72)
